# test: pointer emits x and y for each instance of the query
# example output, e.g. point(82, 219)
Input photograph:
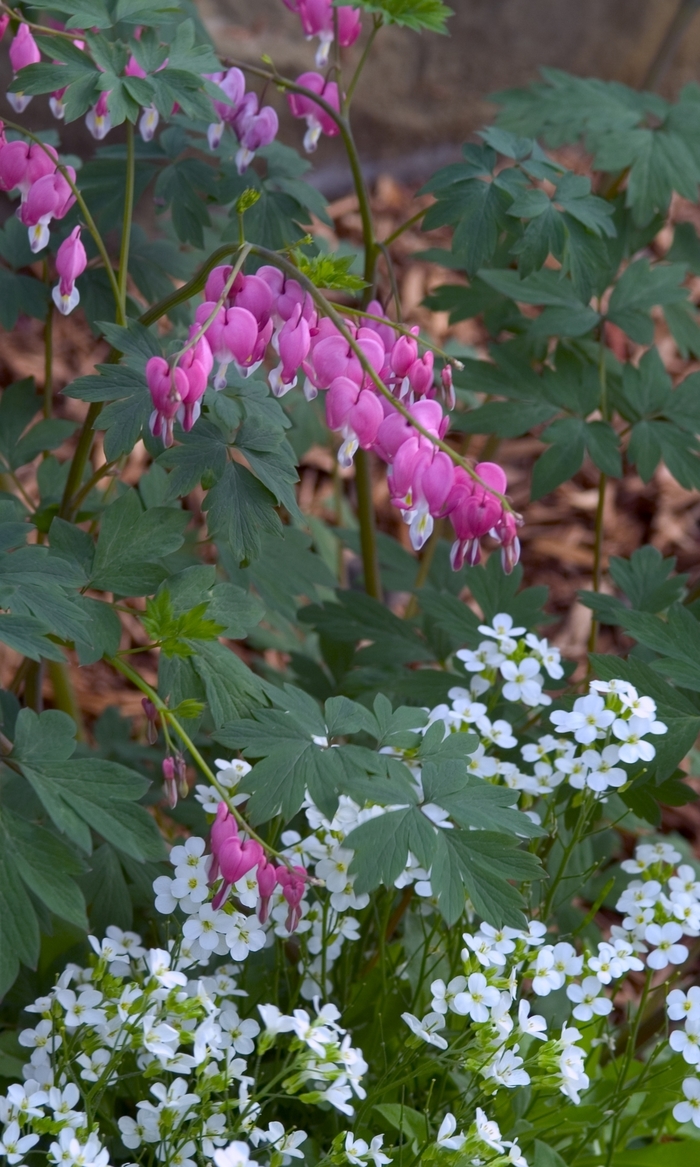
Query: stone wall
point(420, 91)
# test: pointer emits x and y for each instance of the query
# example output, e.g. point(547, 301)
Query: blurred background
point(421, 96)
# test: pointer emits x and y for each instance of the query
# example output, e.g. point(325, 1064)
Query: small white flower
point(506, 1070)
point(485, 657)
point(502, 628)
point(630, 733)
point(588, 719)
point(444, 995)
point(667, 950)
point(523, 681)
point(427, 1028)
point(682, 1006)
point(689, 1111)
point(588, 1001)
point(687, 1042)
point(14, 1145)
point(488, 1131)
point(446, 1136)
point(237, 1154)
point(478, 998)
point(532, 1026)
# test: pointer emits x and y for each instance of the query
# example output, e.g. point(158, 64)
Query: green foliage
point(418, 15)
point(330, 271)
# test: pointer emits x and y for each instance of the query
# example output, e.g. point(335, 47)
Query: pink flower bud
point(255, 295)
point(403, 354)
point(420, 374)
point(365, 418)
point(151, 721)
point(4, 21)
point(216, 282)
point(349, 26)
point(48, 198)
point(13, 164)
point(293, 883)
point(71, 261)
point(340, 399)
point(437, 482)
point(392, 434)
point(254, 129)
point(168, 767)
point(236, 859)
point(294, 343)
point(24, 49)
point(168, 388)
point(273, 277)
point(318, 121)
point(492, 475)
point(224, 827)
point(384, 331)
point(196, 371)
point(267, 880)
point(446, 378)
point(41, 160)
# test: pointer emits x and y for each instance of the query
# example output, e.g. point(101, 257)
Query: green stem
point(368, 532)
point(626, 1063)
point(126, 221)
point(64, 694)
point(80, 457)
point(424, 566)
point(97, 477)
point(600, 509)
point(360, 65)
point(89, 221)
point(392, 279)
point(33, 686)
point(404, 227)
point(581, 823)
point(48, 360)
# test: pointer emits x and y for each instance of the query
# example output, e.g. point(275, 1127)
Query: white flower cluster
point(488, 998)
point(609, 726)
point(484, 1135)
point(136, 1010)
point(518, 661)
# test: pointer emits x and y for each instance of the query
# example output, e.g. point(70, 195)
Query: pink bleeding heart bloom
point(21, 164)
point(274, 279)
point(254, 129)
point(50, 197)
point(71, 261)
point(4, 21)
point(474, 510)
point(293, 881)
point(448, 387)
point(217, 281)
point(168, 388)
point(255, 294)
point(317, 19)
point(232, 337)
point(98, 119)
point(384, 331)
point(403, 355)
point(267, 880)
point(356, 413)
point(170, 781)
point(23, 51)
point(294, 342)
point(232, 85)
point(420, 374)
point(224, 827)
point(197, 364)
point(236, 859)
point(318, 120)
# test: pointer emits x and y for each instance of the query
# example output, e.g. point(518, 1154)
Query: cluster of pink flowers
point(233, 857)
point(45, 192)
point(254, 127)
point(242, 317)
point(319, 19)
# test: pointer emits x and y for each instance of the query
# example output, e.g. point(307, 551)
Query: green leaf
point(487, 862)
point(232, 690)
point(46, 866)
point(239, 511)
point(19, 930)
point(45, 737)
point(415, 14)
point(602, 444)
point(131, 543)
point(330, 271)
point(562, 460)
point(472, 802)
point(639, 289)
point(546, 1156)
point(171, 630)
point(381, 847)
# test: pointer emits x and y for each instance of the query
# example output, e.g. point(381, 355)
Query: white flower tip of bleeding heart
point(215, 132)
point(148, 123)
point(38, 236)
point(244, 157)
point(311, 138)
point(18, 101)
point(57, 108)
point(98, 124)
point(65, 304)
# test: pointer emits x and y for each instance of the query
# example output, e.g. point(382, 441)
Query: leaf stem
point(404, 227)
point(126, 221)
point(48, 359)
point(368, 531)
point(360, 65)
